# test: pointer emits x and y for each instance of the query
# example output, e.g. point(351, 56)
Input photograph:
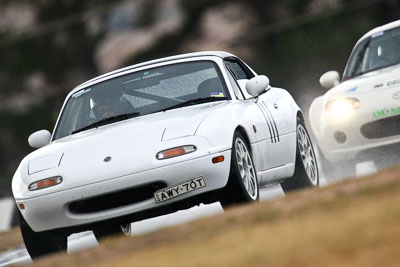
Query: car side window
point(239, 70)
point(235, 86)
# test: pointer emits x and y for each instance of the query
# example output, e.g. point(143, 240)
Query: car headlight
point(340, 108)
point(176, 151)
point(45, 183)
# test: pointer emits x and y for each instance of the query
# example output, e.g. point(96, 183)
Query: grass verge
point(352, 223)
point(10, 239)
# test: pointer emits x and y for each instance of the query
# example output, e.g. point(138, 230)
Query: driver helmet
point(105, 102)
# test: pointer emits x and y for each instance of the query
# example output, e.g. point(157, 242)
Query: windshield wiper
point(192, 102)
point(108, 120)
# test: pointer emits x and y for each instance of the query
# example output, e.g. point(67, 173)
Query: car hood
point(117, 149)
point(382, 79)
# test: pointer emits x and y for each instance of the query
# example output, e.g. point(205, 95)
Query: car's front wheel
point(243, 184)
point(306, 169)
point(41, 243)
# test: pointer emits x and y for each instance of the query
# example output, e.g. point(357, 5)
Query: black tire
point(110, 230)
point(243, 183)
point(306, 168)
point(40, 244)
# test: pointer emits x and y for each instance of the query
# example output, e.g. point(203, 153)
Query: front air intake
point(116, 199)
point(381, 128)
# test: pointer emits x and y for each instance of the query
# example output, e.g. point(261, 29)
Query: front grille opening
point(381, 128)
point(116, 199)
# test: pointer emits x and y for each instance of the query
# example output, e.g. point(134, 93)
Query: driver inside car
point(106, 102)
point(388, 53)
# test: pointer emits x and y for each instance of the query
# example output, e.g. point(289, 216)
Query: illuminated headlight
point(45, 183)
point(342, 107)
point(175, 152)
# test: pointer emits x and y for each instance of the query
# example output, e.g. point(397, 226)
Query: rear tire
point(40, 244)
point(242, 184)
point(306, 168)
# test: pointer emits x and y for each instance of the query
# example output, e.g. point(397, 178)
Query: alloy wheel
point(307, 154)
point(246, 168)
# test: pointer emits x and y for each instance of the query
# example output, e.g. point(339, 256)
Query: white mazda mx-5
point(157, 137)
point(359, 118)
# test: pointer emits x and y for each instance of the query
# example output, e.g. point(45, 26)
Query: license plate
point(179, 189)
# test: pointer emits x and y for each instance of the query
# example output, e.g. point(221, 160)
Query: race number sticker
point(180, 189)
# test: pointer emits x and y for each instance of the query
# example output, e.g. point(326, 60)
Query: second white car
point(358, 119)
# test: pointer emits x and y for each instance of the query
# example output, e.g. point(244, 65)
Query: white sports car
point(360, 115)
point(157, 137)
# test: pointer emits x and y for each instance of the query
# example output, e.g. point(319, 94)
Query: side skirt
point(276, 174)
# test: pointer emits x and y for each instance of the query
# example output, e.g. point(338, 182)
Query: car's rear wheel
point(109, 230)
point(41, 243)
point(306, 168)
point(243, 184)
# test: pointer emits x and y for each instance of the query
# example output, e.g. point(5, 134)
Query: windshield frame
point(215, 61)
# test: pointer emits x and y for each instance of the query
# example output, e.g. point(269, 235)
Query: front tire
point(242, 184)
point(40, 244)
point(306, 169)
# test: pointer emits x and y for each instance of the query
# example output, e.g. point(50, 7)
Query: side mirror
point(256, 85)
point(39, 139)
point(329, 79)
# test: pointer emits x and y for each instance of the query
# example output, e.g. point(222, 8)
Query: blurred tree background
point(49, 47)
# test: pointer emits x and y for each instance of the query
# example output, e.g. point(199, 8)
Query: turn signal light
point(175, 152)
point(218, 159)
point(45, 183)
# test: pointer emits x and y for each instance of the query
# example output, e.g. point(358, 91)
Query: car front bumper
point(53, 210)
point(375, 124)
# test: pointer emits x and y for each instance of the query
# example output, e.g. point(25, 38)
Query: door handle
point(275, 106)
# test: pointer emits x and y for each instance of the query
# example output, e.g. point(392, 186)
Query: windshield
point(140, 93)
point(379, 51)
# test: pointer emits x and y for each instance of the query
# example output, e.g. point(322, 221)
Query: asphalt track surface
point(85, 240)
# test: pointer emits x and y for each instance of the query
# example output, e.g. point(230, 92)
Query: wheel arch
point(300, 115)
point(243, 132)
